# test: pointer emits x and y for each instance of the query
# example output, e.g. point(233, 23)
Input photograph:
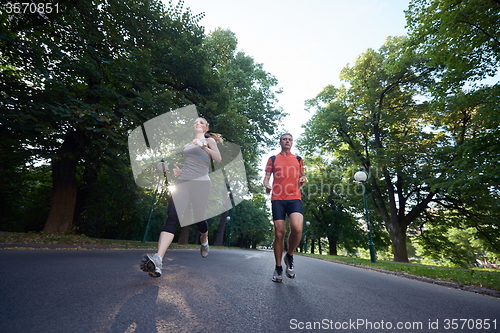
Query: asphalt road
point(230, 291)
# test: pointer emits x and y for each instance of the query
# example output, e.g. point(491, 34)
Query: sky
point(304, 43)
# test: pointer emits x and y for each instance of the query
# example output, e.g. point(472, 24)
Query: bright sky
point(304, 43)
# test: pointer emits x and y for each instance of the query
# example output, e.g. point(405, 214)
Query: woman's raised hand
point(177, 170)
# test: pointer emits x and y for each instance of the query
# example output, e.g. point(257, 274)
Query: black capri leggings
point(195, 193)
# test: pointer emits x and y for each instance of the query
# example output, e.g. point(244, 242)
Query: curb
point(454, 285)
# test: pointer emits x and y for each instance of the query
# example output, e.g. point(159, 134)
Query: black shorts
point(281, 208)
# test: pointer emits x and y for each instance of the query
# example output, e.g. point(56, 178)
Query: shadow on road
point(137, 314)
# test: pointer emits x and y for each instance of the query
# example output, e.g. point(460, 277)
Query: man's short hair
point(282, 135)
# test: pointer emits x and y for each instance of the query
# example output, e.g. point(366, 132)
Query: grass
point(42, 238)
point(64, 239)
point(483, 278)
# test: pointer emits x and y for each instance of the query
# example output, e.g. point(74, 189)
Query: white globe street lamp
point(162, 168)
point(305, 235)
point(361, 176)
point(228, 219)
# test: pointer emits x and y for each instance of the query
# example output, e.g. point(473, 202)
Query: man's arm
point(265, 181)
point(302, 174)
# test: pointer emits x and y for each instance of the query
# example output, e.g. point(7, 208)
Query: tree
point(470, 185)
point(94, 72)
point(379, 124)
point(251, 117)
point(77, 81)
point(466, 108)
point(460, 38)
point(250, 223)
point(326, 208)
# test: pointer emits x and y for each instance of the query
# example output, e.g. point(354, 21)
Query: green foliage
point(447, 244)
point(460, 38)
point(74, 83)
point(438, 155)
point(411, 113)
point(24, 197)
point(375, 121)
point(117, 209)
point(465, 112)
point(325, 206)
point(251, 225)
point(251, 117)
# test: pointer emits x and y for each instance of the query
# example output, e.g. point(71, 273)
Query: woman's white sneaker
point(152, 265)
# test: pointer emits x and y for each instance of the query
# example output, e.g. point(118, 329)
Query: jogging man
point(288, 176)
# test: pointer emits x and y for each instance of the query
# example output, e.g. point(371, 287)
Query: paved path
point(230, 291)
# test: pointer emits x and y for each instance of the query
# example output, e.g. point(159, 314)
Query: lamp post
point(305, 236)
point(228, 219)
point(161, 168)
point(361, 176)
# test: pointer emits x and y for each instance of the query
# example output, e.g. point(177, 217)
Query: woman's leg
point(168, 229)
point(203, 229)
point(200, 192)
point(164, 242)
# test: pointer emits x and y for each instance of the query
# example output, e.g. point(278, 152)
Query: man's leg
point(279, 237)
point(296, 221)
point(293, 241)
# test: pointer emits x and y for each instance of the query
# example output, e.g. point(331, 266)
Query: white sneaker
point(290, 272)
point(278, 277)
point(152, 265)
point(204, 249)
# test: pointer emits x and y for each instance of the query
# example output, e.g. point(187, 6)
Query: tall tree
point(379, 124)
point(250, 224)
point(76, 81)
point(93, 71)
point(326, 206)
point(470, 185)
point(251, 118)
point(465, 108)
point(460, 38)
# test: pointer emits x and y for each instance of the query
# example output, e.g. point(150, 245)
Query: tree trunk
point(62, 205)
point(184, 237)
point(197, 236)
point(219, 238)
point(89, 179)
point(397, 231)
point(333, 246)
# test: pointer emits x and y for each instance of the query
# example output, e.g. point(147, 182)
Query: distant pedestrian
point(192, 189)
point(287, 170)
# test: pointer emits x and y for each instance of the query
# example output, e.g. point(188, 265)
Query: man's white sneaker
point(290, 272)
point(278, 276)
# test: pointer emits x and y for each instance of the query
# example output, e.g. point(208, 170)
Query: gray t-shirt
point(197, 164)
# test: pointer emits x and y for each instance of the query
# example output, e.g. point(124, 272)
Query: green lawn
point(484, 278)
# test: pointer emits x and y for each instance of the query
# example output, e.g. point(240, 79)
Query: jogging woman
point(192, 189)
